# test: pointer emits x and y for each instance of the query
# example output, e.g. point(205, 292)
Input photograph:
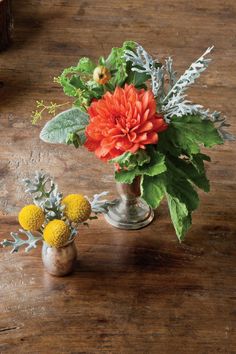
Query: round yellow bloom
point(101, 75)
point(56, 233)
point(77, 207)
point(31, 217)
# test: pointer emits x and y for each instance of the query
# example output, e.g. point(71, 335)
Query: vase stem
point(129, 211)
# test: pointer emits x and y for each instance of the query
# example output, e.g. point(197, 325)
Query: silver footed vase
point(129, 211)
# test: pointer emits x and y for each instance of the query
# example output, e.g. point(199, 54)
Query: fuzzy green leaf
point(57, 130)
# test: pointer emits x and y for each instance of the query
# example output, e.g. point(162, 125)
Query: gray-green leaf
point(57, 129)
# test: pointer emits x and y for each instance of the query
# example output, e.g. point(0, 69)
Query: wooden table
point(132, 292)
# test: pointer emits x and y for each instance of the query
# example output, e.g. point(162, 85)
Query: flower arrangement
point(132, 111)
point(52, 218)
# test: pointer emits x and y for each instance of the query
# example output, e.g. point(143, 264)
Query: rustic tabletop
point(137, 291)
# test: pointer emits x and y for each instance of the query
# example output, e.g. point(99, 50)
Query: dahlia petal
point(134, 148)
point(159, 124)
point(91, 144)
point(102, 151)
point(145, 100)
point(114, 131)
point(139, 106)
point(92, 110)
point(123, 144)
point(108, 142)
point(141, 137)
point(132, 136)
point(151, 138)
point(148, 125)
point(94, 133)
point(146, 114)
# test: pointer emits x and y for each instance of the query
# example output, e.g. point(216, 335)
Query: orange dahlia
point(125, 120)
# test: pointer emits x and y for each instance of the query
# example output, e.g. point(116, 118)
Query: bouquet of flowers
point(132, 111)
point(52, 218)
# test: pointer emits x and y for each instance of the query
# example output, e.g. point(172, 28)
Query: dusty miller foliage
point(45, 194)
point(100, 206)
point(172, 99)
point(30, 241)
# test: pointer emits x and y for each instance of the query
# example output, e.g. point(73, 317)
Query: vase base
point(129, 217)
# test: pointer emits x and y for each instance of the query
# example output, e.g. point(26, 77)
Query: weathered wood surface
point(132, 292)
point(6, 23)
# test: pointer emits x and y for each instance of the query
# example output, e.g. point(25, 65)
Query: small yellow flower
point(56, 233)
point(31, 217)
point(77, 208)
point(101, 75)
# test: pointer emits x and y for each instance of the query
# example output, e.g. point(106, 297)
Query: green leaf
point(180, 187)
point(195, 172)
point(68, 88)
point(86, 65)
point(76, 82)
point(76, 139)
point(198, 161)
point(156, 165)
point(116, 61)
point(190, 131)
point(125, 176)
point(130, 161)
point(71, 121)
point(136, 78)
point(144, 162)
point(182, 200)
point(180, 216)
point(130, 164)
point(153, 189)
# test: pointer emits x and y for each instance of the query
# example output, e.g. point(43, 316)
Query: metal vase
point(59, 261)
point(129, 212)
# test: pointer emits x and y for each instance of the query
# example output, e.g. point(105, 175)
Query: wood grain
point(6, 23)
point(132, 292)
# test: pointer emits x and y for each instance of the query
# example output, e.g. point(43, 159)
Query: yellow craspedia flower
point(31, 217)
point(56, 233)
point(77, 207)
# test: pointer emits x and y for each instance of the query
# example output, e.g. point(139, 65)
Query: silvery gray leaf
point(18, 241)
